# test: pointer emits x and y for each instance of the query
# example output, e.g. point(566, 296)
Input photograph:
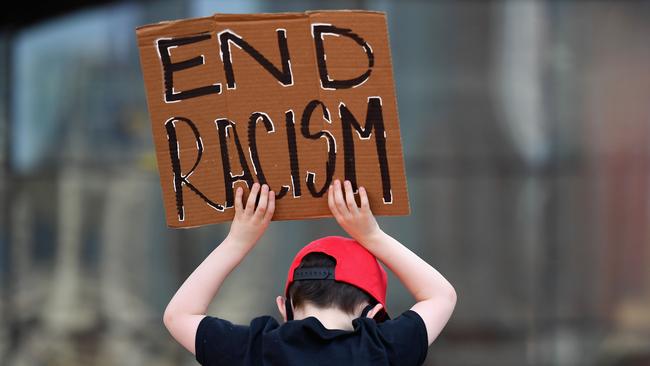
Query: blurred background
point(526, 133)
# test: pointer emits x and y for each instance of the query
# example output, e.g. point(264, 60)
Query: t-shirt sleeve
point(406, 338)
point(220, 342)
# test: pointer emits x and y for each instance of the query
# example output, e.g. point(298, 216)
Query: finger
point(239, 206)
point(271, 207)
point(250, 203)
point(330, 201)
point(263, 202)
point(349, 198)
point(338, 198)
point(332, 205)
point(365, 205)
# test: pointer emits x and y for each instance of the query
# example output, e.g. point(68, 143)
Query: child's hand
point(250, 223)
point(356, 221)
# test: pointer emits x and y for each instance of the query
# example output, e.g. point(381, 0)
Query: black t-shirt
point(401, 341)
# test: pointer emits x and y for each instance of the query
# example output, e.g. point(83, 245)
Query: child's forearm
point(435, 296)
point(198, 290)
point(422, 280)
point(196, 293)
point(190, 303)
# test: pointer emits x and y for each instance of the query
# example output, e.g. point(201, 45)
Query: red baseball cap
point(355, 265)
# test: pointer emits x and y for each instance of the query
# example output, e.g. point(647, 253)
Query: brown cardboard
point(193, 53)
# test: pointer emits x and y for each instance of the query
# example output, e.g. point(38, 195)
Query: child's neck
point(331, 318)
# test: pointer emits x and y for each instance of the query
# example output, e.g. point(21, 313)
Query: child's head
point(326, 293)
point(336, 272)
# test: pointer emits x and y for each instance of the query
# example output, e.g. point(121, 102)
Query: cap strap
point(367, 309)
point(314, 273)
point(288, 308)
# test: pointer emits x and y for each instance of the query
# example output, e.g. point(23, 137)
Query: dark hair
point(326, 293)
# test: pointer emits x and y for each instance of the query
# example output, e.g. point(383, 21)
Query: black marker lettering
point(326, 82)
point(229, 179)
point(284, 77)
point(180, 179)
point(293, 153)
point(374, 119)
point(169, 68)
point(331, 147)
point(252, 145)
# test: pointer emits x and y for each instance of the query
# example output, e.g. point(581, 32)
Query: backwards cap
point(355, 265)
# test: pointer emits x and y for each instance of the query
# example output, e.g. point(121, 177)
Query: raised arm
point(434, 295)
point(188, 306)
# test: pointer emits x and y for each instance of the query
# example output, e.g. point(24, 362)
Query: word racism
point(238, 99)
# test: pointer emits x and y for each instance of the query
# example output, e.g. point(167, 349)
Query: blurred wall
point(526, 130)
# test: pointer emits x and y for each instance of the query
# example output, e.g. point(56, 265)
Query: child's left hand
point(249, 222)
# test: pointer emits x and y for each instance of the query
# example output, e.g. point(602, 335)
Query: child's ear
point(280, 300)
point(374, 310)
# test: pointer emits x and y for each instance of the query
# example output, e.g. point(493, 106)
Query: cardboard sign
point(294, 100)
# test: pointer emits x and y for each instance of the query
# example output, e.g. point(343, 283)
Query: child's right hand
point(357, 221)
point(250, 222)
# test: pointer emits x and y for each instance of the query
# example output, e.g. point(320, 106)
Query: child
point(335, 294)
